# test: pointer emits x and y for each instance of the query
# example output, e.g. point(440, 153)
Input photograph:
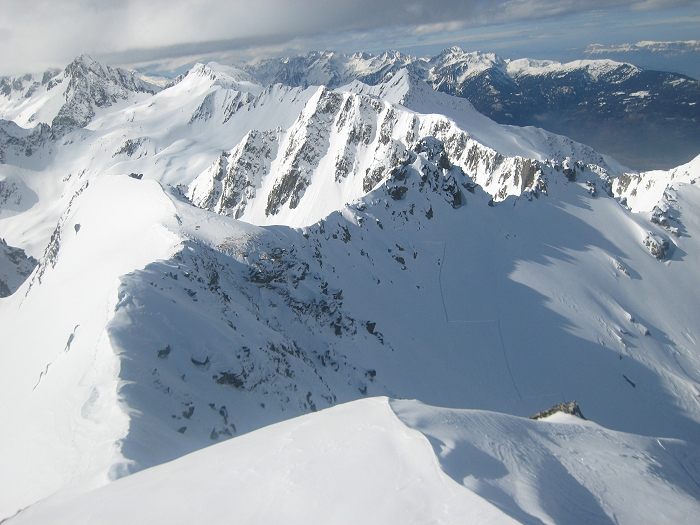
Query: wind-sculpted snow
point(561, 469)
point(57, 362)
point(290, 249)
point(396, 461)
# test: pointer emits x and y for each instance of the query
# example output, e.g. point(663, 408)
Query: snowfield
point(395, 461)
point(221, 294)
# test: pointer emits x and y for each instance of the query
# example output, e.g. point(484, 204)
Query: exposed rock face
point(15, 267)
point(656, 245)
point(19, 142)
point(349, 143)
point(308, 140)
point(410, 286)
point(568, 408)
point(50, 257)
point(27, 84)
point(330, 69)
point(228, 185)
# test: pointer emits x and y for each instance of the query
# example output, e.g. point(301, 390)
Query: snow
point(15, 266)
point(452, 67)
point(391, 242)
point(643, 191)
point(41, 100)
point(676, 45)
point(595, 68)
point(562, 469)
point(68, 366)
point(396, 461)
point(407, 90)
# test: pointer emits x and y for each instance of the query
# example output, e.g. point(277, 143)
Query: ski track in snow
point(498, 323)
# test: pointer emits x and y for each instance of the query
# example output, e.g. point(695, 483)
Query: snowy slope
point(642, 192)
point(220, 256)
point(63, 418)
point(387, 461)
point(244, 326)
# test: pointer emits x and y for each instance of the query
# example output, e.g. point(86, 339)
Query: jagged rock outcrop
point(15, 267)
point(19, 142)
point(228, 185)
point(91, 85)
point(380, 269)
point(307, 141)
point(567, 408)
point(345, 144)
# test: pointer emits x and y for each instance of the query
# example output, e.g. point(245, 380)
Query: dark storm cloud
point(38, 33)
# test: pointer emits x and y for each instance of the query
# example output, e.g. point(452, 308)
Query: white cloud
point(38, 33)
point(439, 27)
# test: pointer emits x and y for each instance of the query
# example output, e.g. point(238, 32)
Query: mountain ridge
point(610, 105)
point(168, 325)
point(448, 464)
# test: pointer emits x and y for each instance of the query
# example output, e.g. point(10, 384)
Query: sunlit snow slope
point(219, 256)
point(387, 461)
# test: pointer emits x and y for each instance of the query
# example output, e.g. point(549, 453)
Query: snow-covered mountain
point(678, 56)
point(68, 98)
point(219, 256)
point(648, 119)
point(679, 47)
point(361, 135)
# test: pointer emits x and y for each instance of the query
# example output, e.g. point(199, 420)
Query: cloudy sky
point(168, 35)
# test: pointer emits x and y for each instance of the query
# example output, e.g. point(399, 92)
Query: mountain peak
point(83, 64)
point(84, 58)
point(454, 50)
point(68, 98)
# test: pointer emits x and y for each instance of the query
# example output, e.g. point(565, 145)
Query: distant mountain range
point(678, 57)
point(646, 119)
